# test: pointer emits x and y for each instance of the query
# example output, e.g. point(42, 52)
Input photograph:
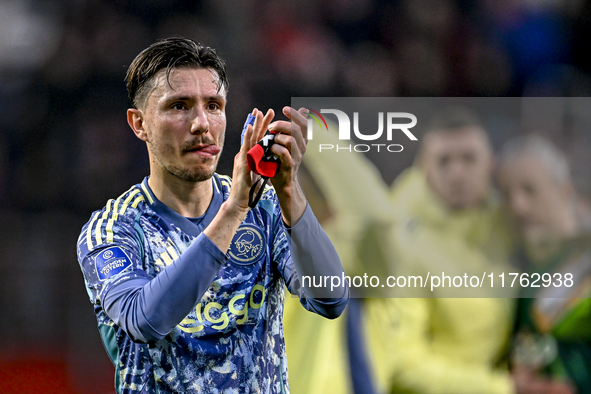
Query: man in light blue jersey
point(187, 282)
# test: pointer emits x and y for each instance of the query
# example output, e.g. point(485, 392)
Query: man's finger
point(291, 128)
point(288, 152)
point(261, 124)
point(283, 140)
point(299, 124)
point(258, 119)
point(247, 139)
point(305, 112)
point(266, 122)
point(299, 117)
point(284, 155)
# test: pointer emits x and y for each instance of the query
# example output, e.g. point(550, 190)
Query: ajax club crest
point(248, 245)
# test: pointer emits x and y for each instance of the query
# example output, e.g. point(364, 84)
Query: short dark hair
point(454, 117)
point(167, 54)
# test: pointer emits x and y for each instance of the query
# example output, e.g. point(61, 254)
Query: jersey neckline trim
point(191, 226)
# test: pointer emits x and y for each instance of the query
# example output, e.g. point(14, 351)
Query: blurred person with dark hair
point(553, 329)
point(448, 218)
point(187, 279)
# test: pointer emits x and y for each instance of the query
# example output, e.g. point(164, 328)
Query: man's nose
point(200, 123)
point(457, 171)
point(519, 204)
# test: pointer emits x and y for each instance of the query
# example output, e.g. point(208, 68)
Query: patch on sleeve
point(110, 262)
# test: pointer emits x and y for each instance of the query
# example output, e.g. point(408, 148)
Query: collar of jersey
point(191, 226)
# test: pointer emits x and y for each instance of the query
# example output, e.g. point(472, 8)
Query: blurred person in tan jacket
point(351, 213)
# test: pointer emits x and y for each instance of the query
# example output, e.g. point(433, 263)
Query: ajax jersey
point(232, 340)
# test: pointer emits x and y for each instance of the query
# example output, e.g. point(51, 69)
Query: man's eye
point(529, 189)
point(178, 106)
point(213, 106)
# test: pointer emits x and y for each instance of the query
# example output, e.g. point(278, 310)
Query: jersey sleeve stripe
point(172, 252)
point(137, 201)
point(116, 214)
point(109, 228)
point(99, 223)
point(166, 258)
point(106, 219)
point(225, 180)
point(127, 200)
point(147, 193)
point(89, 230)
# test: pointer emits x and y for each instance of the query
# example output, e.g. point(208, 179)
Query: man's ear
point(135, 119)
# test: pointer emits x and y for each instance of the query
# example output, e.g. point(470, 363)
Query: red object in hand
point(260, 158)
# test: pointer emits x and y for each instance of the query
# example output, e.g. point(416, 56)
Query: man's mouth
point(204, 150)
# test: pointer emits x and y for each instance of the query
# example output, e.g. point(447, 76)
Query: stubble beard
point(186, 175)
point(183, 173)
